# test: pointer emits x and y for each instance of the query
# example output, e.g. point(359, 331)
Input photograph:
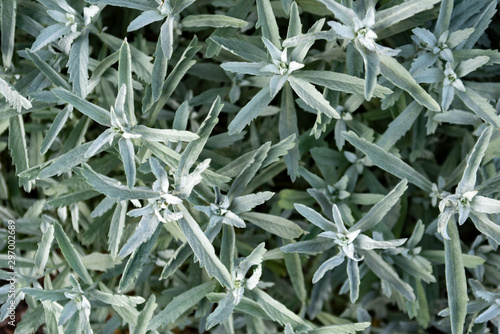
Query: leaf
point(317, 245)
point(248, 202)
point(55, 128)
point(97, 113)
point(243, 68)
point(164, 135)
point(248, 173)
point(241, 48)
point(143, 321)
point(78, 64)
point(310, 95)
point(125, 78)
point(115, 299)
point(134, 4)
point(15, 100)
point(49, 35)
point(167, 37)
point(392, 15)
point(136, 261)
point(194, 148)
point(116, 227)
point(127, 153)
point(246, 305)
point(315, 218)
point(389, 162)
point(183, 252)
point(456, 284)
point(470, 65)
point(141, 64)
point(213, 20)
point(278, 312)
point(279, 226)
point(294, 268)
point(8, 29)
point(328, 265)
point(102, 67)
point(385, 272)
point(18, 148)
point(183, 65)
point(380, 210)
point(143, 232)
point(341, 329)
point(340, 82)
point(399, 76)
point(469, 261)
point(203, 249)
point(47, 70)
point(267, 22)
point(49, 295)
point(480, 106)
point(99, 261)
point(250, 111)
point(343, 13)
point(372, 70)
point(486, 226)
point(146, 17)
point(43, 251)
point(65, 162)
point(400, 125)
point(287, 127)
point(468, 181)
point(181, 304)
point(113, 189)
point(443, 21)
point(160, 67)
point(74, 260)
point(222, 312)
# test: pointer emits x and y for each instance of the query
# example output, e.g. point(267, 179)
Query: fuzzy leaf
point(282, 227)
point(181, 304)
point(203, 249)
point(399, 76)
point(389, 162)
point(70, 254)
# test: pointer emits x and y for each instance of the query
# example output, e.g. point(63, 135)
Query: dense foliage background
point(250, 166)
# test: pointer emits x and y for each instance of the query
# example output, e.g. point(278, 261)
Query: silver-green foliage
point(239, 166)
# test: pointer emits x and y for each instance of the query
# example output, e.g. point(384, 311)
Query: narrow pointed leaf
point(389, 162)
point(203, 249)
point(399, 76)
point(70, 254)
point(456, 284)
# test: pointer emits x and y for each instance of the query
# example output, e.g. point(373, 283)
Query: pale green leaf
point(7, 31)
point(279, 226)
point(203, 249)
point(456, 284)
point(399, 76)
point(97, 113)
point(113, 189)
point(181, 304)
point(78, 64)
point(310, 95)
point(392, 15)
point(145, 316)
point(43, 251)
point(70, 254)
point(389, 162)
point(380, 210)
point(213, 20)
point(267, 22)
point(15, 100)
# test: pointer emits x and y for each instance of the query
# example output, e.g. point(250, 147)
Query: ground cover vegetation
point(250, 166)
